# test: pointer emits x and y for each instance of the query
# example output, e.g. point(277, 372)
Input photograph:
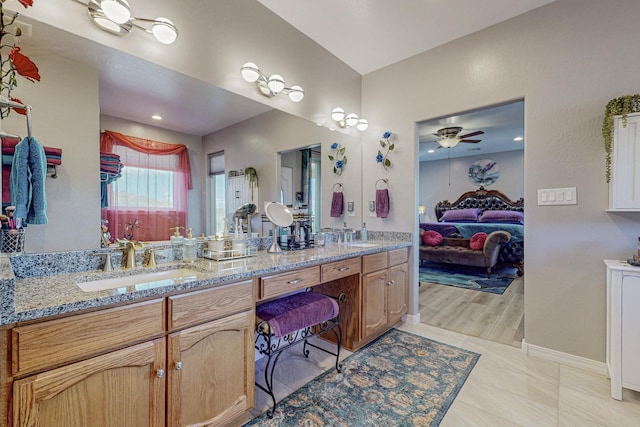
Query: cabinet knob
point(391, 282)
point(178, 366)
point(160, 373)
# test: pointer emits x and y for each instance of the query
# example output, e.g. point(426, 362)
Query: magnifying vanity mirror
point(280, 216)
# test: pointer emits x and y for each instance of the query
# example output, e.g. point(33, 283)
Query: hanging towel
point(336, 205)
point(28, 174)
point(382, 203)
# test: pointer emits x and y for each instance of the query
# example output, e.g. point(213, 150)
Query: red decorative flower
point(22, 111)
point(23, 65)
point(26, 3)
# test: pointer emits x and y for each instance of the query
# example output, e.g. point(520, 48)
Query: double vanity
point(173, 344)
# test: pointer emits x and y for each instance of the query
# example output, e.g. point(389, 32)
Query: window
point(150, 196)
point(217, 185)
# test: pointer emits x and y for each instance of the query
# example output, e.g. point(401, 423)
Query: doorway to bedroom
point(470, 185)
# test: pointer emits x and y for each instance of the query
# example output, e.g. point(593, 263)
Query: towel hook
point(385, 181)
point(339, 184)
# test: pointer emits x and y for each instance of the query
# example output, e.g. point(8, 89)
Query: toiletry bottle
point(364, 234)
point(189, 247)
point(177, 242)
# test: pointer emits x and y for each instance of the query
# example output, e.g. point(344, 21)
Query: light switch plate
point(557, 196)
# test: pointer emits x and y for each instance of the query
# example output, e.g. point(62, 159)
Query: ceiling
point(371, 34)
point(365, 34)
point(500, 124)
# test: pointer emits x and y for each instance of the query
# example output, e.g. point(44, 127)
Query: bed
point(485, 211)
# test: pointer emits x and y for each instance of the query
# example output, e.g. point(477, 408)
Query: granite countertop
point(30, 298)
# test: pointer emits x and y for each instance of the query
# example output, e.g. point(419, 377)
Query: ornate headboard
point(481, 198)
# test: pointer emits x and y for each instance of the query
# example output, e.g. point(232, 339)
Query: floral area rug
point(468, 278)
point(401, 379)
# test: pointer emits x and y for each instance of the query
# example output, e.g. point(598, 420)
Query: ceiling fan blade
point(473, 141)
point(478, 132)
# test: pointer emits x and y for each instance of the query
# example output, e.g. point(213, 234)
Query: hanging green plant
point(621, 106)
point(252, 175)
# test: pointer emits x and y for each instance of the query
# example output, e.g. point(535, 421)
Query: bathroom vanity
point(169, 348)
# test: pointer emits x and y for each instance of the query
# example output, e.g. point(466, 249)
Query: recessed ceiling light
point(156, 117)
point(431, 151)
point(518, 138)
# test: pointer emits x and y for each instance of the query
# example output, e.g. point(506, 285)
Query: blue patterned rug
point(468, 277)
point(401, 379)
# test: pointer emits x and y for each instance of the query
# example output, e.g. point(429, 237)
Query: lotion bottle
point(177, 243)
point(190, 251)
point(364, 234)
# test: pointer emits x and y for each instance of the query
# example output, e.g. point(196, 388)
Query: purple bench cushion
point(288, 314)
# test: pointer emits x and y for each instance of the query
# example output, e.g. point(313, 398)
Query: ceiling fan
point(449, 137)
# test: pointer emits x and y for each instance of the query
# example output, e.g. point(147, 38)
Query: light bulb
point(352, 119)
point(164, 31)
point(107, 24)
point(276, 83)
point(116, 10)
point(337, 114)
point(296, 93)
point(362, 125)
point(250, 72)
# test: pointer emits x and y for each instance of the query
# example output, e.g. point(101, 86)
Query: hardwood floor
point(493, 317)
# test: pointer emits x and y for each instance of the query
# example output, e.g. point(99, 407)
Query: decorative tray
point(228, 254)
point(633, 262)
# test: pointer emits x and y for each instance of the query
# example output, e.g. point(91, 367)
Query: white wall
point(196, 197)
point(256, 142)
point(65, 115)
point(567, 60)
point(447, 180)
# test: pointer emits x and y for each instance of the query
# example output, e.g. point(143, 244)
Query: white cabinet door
point(239, 192)
point(624, 187)
point(631, 331)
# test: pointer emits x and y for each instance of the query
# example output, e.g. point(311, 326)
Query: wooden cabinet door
point(374, 302)
point(124, 388)
point(210, 372)
point(397, 293)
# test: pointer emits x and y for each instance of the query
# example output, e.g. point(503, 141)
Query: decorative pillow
point(431, 238)
point(477, 241)
point(509, 217)
point(461, 215)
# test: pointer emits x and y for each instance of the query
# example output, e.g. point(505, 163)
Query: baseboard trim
point(411, 319)
point(564, 358)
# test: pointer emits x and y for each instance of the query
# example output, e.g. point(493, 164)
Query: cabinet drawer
point(398, 256)
point(374, 262)
point(209, 304)
point(46, 344)
point(287, 282)
point(338, 269)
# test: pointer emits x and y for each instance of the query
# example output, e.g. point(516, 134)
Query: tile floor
point(506, 387)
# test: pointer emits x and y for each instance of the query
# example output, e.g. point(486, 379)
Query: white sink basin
point(364, 245)
point(141, 281)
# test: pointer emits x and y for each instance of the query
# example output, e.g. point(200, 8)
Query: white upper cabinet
point(624, 186)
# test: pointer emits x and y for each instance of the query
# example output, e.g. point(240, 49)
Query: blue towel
point(28, 174)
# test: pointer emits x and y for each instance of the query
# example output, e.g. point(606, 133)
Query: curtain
point(151, 196)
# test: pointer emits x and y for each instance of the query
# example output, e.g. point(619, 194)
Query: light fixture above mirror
point(115, 16)
point(349, 120)
point(270, 86)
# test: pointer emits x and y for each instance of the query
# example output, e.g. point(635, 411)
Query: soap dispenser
point(364, 234)
point(190, 251)
point(177, 243)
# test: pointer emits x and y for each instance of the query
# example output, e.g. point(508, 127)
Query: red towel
point(382, 203)
point(336, 205)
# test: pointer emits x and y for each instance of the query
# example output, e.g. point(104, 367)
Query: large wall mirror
point(87, 86)
point(300, 182)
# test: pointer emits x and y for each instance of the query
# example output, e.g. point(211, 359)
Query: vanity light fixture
point(156, 117)
point(349, 120)
point(114, 16)
point(270, 86)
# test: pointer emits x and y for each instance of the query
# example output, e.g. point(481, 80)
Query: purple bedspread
point(443, 228)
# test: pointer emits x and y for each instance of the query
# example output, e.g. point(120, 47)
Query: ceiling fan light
point(296, 93)
point(337, 114)
point(351, 119)
point(164, 31)
point(250, 72)
point(276, 83)
point(116, 10)
point(449, 142)
point(362, 125)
